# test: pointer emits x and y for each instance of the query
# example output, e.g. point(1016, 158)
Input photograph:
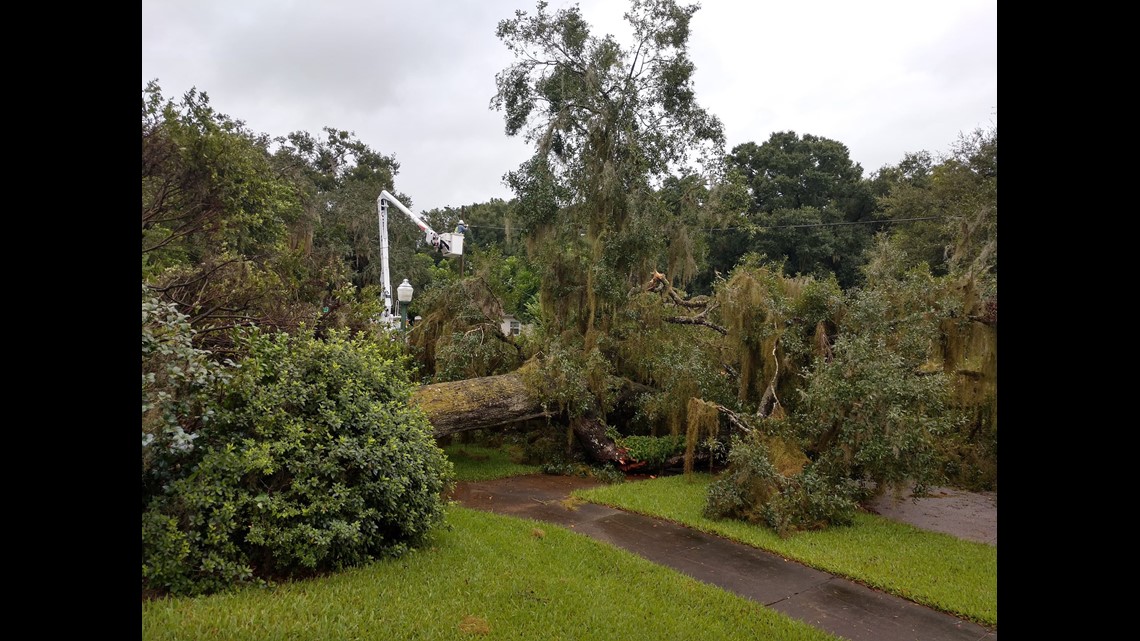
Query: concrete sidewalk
point(839, 606)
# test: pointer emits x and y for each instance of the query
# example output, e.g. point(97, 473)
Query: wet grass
point(480, 463)
point(935, 569)
point(484, 577)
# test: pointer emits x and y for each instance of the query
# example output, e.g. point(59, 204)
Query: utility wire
point(858, 222)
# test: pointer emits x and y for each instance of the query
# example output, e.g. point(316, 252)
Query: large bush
point(878, 409)
point(769, 481)
point(176, 382)
point(873, 411)
point(315, 461)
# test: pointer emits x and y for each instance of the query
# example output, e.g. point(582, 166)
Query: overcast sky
point(414, 79)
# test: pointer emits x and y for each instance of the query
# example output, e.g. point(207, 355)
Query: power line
point(858, 222)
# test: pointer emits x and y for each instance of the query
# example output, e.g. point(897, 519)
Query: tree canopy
point(808, 197)
point(609, 122)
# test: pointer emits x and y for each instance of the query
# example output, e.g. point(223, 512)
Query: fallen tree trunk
point(497, 401)
point(591, 434)
point(478, 403)
point(491, 402)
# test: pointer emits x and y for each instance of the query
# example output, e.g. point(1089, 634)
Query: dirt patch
point(966, 515)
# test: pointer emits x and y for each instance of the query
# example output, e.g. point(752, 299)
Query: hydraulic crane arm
point(430, 236)
point(450, 244)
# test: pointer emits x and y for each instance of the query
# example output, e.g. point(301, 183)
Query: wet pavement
point(841, 607)
point(966, 515)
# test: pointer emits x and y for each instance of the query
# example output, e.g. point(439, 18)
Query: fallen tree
point(497, 401)
point(479, 403)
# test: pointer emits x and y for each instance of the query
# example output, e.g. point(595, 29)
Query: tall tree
point(958, 193)
point(214, 214)
point(206, 183)
point(342, 176)
point(232, 232)
point(806, 196)
point(608, 123)
point(903, 193)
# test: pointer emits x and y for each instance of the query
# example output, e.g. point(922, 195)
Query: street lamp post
point(404, 293)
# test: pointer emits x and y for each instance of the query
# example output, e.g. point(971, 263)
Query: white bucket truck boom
point(450, 244)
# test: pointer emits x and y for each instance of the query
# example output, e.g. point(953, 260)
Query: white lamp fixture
point(404, 294)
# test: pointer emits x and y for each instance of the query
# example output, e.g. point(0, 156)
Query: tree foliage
point(960, 193)
point(806, 194)
point(871, 409)
point(177, 380)
point(315, 461)
point(876, 411)
point(458, 334)
point(512, 279)
point(608, 122)
point(768, 482)
point(341, 177)
point(226, 227)
point(207, 185)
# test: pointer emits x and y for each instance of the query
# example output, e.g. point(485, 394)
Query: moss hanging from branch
point(769, 402)
point(704, 422)
point(679, 255)
point(756, 305)
point(821, 343)
point(968, 354)
point(755, 310)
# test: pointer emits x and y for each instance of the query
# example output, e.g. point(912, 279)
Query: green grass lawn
point(935, 569)
point(479, 463)
point(484, 577)
point(497, 577)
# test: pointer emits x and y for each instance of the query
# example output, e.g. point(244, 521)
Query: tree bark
point(478, 403)
point(497, 401)
point(591, 434)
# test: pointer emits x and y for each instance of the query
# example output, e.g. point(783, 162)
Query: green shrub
point(873, 414)
point(176, 383)
point(750, 481)
point(653, 450)
point(193, 533)
point(810, 502)
point(315, 461)
point(753, 489)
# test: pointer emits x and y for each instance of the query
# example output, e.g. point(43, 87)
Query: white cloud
point(415, 80)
